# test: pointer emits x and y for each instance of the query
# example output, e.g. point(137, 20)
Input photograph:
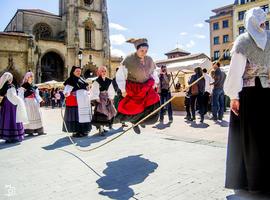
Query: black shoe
point(213, 118)
point(220, 118)
point(11, 141)
point(76, 135)
point(83, 134)
point(202, 119)
point(170, 121)
point(42, 133)
point(137, 129)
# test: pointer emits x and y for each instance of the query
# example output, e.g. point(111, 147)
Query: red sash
point(71, 100)
point(139, 96)
point(32, 96)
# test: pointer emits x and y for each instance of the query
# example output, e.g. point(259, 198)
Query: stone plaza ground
point(181, 161)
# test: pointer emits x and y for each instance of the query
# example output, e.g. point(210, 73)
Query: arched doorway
point(52, 67)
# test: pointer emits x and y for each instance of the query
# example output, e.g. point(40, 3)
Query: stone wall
point(15, 47)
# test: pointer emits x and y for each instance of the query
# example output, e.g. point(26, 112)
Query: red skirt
point(139, 96)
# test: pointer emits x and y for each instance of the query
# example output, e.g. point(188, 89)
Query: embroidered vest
point(258, 60)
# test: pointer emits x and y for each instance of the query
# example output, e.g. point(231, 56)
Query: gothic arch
point(52, 67)
point(42, 31)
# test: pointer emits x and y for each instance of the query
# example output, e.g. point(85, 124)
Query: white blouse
point(234, 81)
point(95, 91)
point(121, 77)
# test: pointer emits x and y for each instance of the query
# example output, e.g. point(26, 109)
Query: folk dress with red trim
point(139, 96)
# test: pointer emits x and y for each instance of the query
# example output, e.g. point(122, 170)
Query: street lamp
point(80, 56)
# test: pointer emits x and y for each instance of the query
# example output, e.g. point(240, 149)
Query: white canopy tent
point(225, 69)
point(186, 69)
point(189, 65)
point(50, 84)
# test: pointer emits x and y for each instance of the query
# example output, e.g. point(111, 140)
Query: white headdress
point(4, 78)
point(253, 19)
point(27, 75)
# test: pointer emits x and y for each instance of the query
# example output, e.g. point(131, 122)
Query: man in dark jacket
point(218, 93)
point(198, 95)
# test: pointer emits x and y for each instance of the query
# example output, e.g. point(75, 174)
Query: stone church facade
point(49, 44)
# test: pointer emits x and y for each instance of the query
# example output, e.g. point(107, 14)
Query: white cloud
point(117, 52)
point(117, 39)
point(199, 25)
point(183, 33)
point(117, 27)
point(190, 44)
point(200, 36)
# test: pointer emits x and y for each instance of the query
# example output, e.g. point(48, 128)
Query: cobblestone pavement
point(181, 161)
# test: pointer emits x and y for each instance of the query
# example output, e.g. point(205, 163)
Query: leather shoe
point(137, 129)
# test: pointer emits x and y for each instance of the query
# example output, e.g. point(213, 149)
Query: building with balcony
point(221, 33)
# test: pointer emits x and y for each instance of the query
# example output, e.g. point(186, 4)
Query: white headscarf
point(4, 78)
point(26, 76)
point(253, 19)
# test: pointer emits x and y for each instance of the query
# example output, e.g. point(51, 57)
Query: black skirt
point(248, 153)
point(136, 118)
point(71, 118)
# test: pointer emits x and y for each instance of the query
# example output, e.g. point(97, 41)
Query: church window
point(87, 38)
point(42, 31)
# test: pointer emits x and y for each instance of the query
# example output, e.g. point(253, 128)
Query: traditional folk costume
point(30, 94)
point(248, 165)
point(104, 113)
point(137, 79)
point(78, 109)
point(13, 112)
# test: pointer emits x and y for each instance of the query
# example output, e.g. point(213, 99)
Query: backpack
point(194, 89)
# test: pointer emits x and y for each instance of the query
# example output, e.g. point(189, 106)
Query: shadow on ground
point(193, 124)
point(81, 142)
point(162, 126)
point(223, 123)
point(123, 173)
point(4, 145)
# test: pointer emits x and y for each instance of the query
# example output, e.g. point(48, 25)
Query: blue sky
point(166, 23)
